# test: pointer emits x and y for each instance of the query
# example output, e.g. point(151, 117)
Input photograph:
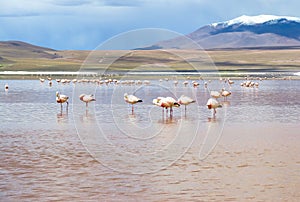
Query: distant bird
point(215, 94)
point(185, 100)
point(230, 82)
point(62, 99)
point(175, 83)
point(195, 84)
point(225, 93)
point(212, 103)
point(185, 83)
point(42, 80)
point(131, 99)
point(50, 83)
point(147, 82)
point(6, 87)
point(87, 98)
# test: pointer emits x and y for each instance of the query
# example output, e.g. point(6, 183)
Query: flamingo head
point(209, 106)
point(57, 94)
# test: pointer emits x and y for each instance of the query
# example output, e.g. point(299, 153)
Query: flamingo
point(230, 82)
point(185, 83)
point(212, 103)
point(6, 87)
point(169, 102)
point(87, 98)
point(195, 84)
point(175, 83)
point(62, 99)
point(166, 102)
point(225, 93)
point(185, 100)
point(215, 94)
point(131, 99)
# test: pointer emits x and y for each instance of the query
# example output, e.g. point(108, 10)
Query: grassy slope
point(31, 58)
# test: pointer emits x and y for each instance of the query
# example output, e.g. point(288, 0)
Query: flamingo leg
point(86, 104)
point(132, 108)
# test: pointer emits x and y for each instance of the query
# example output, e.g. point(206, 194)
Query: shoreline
point(206, 74)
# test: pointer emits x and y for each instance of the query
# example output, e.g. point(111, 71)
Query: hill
point(18, 55)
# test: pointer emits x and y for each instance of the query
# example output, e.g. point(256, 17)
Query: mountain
point(243, 32)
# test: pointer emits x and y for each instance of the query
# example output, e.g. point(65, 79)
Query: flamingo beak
point(176, 104)
point(209, 106)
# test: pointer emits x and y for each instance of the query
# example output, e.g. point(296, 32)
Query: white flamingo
point(230, 82)
point(62, 99)
point(185, 100)
point(225, 93)
point(87, 98)
point(131, 99)
point(166, 102)
point(212, 103)
point(215, 94)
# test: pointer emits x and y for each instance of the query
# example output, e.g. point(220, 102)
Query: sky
point(85, 24)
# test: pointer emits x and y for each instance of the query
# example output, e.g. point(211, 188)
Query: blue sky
point(84, 24)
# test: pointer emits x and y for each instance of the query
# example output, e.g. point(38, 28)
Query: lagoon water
point(249, 151)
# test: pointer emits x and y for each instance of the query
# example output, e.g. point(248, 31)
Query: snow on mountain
point(252, 20)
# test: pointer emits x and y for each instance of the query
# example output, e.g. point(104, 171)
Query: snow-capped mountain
point(252, 20)
point(245, 31)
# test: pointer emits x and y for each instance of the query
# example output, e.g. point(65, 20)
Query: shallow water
point(106, 152)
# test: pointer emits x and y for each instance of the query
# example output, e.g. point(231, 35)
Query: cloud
point(70, 2)
point(125, 3)
point(32, 14)
point(99, 3)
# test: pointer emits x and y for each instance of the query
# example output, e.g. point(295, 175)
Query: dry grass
point(152, 60)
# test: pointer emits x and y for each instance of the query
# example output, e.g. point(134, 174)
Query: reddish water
point(250, 151)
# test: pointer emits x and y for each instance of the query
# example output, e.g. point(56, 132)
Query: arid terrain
point(19, 56)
